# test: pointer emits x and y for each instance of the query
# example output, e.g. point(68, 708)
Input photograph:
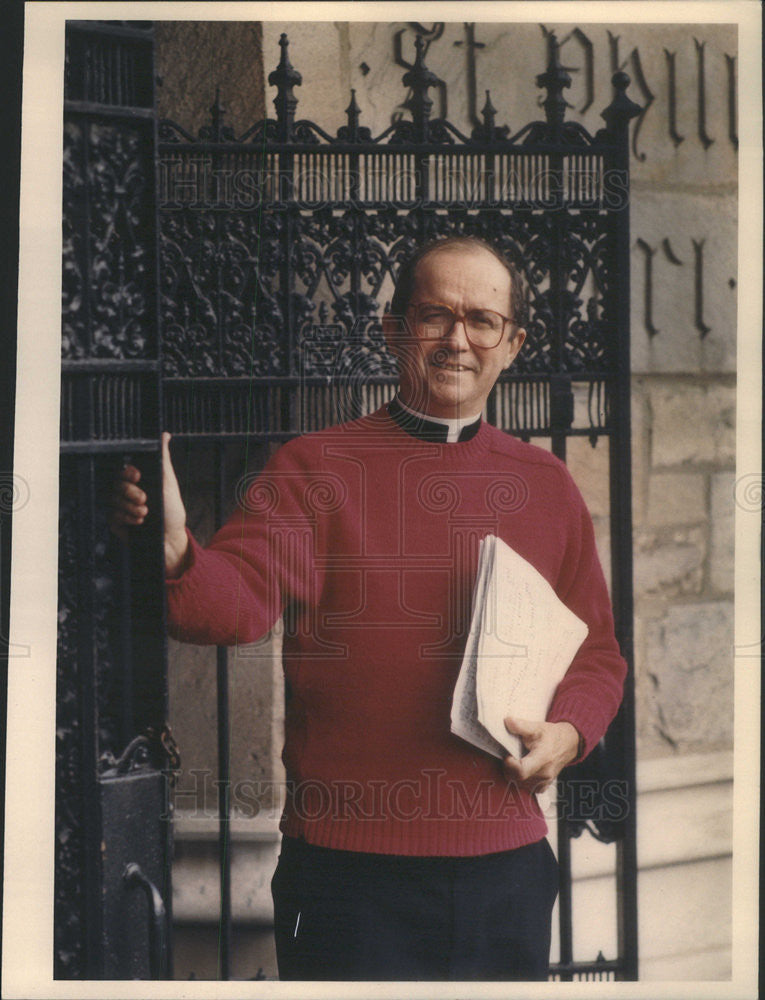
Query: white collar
point(454, 425)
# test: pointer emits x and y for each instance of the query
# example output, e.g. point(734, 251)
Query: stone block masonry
point(684, 449)
point(693, 423)
point(689, 658)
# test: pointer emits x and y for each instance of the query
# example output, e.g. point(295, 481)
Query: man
point(407, 853)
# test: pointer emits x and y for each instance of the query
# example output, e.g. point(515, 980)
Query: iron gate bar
point(127, 705)
point(93, 110)
point(565, 967)
point(224, 757)
point(617, 117)
point(561, 418)
point(117, 447)
point(116, 29)
point(76, 366)
point(174, 139)
point(252, 406)
point(162, 732)
point(112, 639)
point(556, 213)
point(87, 656)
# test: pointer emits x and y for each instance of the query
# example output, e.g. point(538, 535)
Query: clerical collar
point(441, 429)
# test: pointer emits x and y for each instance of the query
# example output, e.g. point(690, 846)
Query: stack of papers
point(522, 640)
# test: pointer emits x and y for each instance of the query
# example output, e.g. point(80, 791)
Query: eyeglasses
point(483, 327)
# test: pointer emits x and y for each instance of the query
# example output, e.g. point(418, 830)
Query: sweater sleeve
point(234, 589)
point(590, 693)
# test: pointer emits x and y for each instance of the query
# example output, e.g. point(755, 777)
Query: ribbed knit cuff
point(190, 560)
point(189, 590)
point(586, 717)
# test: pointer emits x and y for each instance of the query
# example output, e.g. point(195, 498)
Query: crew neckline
point(438, 430)
point(456, 452)
point(454, 425)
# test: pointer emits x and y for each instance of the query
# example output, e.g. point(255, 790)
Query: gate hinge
point(149, 748)
point(171, 750)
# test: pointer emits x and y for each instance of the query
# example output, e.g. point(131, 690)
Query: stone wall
point(196, 59)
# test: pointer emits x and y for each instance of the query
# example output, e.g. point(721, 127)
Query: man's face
point(450, 377)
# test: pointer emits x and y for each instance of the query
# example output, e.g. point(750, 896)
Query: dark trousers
point(347, 915)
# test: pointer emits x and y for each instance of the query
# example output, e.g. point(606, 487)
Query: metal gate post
point(112, 804)
point(617, 116)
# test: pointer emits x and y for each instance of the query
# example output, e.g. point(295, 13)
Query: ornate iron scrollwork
point(109, 406)
point(241, 291)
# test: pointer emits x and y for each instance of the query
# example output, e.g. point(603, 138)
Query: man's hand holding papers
point(522, 640)
point(551, 746)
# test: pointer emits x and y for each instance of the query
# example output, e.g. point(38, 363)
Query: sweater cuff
point(185, 591)
point(585, 717)
point(190, 561)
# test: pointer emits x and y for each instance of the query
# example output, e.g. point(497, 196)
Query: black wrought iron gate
point(277, 253)
point(112, 831)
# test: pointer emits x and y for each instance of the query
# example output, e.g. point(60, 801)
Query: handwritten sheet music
point(521, 643)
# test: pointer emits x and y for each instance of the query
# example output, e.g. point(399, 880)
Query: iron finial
point(420, 80)
point(488, 130)
point(284, 78)
point(217, 112)
point(216, 131)
point(353, 132)
point(621, 109)
point(353, 111)
point(554, 79)
point(489, 113)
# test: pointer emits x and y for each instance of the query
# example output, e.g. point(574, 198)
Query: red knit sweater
point(367, 539)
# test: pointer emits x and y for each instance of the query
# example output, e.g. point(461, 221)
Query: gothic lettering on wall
point(429, 35)
point(701, 92)
point(648, 253)
point(588, 54)
point(589, 67)
point(471, 78)
point(730, 65)
point(698, 265)
point(669, 253)
point(677, 76)
point(672, 99)
point(633, 66)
